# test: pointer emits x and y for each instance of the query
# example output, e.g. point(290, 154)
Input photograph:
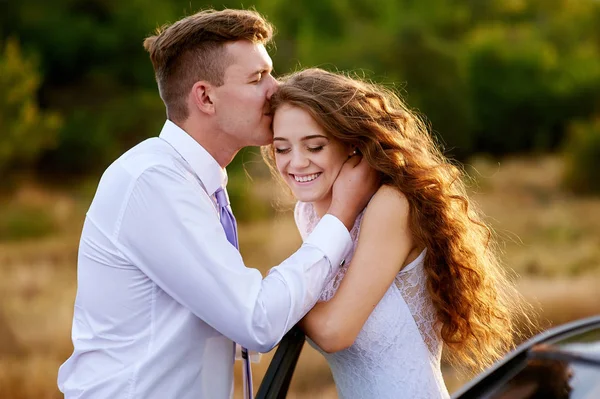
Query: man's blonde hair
point(192, 49)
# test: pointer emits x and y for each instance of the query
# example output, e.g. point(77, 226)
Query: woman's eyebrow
point(315, 136)
point(312, 136)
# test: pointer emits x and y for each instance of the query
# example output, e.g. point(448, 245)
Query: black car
point(562, 362)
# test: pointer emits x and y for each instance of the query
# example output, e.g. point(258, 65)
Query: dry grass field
point(549, 238)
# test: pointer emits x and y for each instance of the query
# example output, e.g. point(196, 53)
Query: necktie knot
point(222, 198)
point(226, 216)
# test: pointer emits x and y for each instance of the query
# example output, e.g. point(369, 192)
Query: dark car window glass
point(586, 377)
point(577, 378)
point(585, 382)
point(548, 379)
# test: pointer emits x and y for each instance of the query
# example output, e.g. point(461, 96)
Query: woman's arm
point(384, 243)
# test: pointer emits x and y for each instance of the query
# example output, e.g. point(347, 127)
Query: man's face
point(242, 102)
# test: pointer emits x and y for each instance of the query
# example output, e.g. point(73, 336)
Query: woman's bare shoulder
point(388, 202)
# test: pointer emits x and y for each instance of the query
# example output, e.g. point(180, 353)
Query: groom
point(163, 292)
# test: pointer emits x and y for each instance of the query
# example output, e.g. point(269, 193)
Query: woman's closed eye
point(282, 150)
point(285, 150)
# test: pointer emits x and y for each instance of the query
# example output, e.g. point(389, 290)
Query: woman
point(423, 271)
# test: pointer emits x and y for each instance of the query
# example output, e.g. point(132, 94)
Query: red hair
point(477, 306)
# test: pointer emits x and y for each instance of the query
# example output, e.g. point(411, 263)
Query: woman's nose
point(299, 160)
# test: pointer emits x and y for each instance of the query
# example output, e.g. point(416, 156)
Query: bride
point(423, 273)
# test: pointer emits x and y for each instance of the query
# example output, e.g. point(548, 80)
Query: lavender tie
point(230, 227)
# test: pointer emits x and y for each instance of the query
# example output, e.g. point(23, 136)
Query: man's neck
point(214, 142)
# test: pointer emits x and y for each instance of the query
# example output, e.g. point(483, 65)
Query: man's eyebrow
point(312, 136)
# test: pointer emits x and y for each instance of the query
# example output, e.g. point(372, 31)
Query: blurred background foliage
point(497, 77)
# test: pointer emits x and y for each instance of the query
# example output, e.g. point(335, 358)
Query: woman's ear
point(201, 94)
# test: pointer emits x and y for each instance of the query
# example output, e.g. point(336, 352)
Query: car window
point(568, 368)
point(539, 379)
point(585, 378)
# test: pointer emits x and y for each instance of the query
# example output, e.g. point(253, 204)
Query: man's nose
point(274, 85)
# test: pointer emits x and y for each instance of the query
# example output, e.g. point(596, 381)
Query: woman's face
point(307, 158)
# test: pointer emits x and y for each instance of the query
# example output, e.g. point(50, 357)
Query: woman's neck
point(322, 206)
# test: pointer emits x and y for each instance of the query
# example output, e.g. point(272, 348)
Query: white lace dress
point(397, 353)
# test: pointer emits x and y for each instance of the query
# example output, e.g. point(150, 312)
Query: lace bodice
point(397, 353)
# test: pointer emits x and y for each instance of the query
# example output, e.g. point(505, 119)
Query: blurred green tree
point(531, 71)
point(496, 76)
point(25, 129)
point(582, 156)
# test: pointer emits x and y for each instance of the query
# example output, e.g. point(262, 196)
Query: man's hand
point(352, 190)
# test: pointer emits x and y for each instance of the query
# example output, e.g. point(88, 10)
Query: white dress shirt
point(162, 293)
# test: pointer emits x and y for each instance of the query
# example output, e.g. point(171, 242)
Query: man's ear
point(201, 94)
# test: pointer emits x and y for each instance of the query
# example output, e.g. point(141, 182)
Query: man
point(162, 289)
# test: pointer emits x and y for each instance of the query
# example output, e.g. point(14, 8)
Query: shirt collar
point(203, 164)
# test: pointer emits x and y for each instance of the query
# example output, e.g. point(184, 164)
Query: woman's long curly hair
point(478, 308)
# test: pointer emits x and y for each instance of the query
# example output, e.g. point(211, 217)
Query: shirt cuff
point(253, 355)
point(332, 237)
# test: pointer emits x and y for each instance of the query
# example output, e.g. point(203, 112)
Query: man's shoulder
point(151, 157)
point(145, 165)
point(149, 154)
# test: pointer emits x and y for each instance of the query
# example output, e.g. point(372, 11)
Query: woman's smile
point(305, 179)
